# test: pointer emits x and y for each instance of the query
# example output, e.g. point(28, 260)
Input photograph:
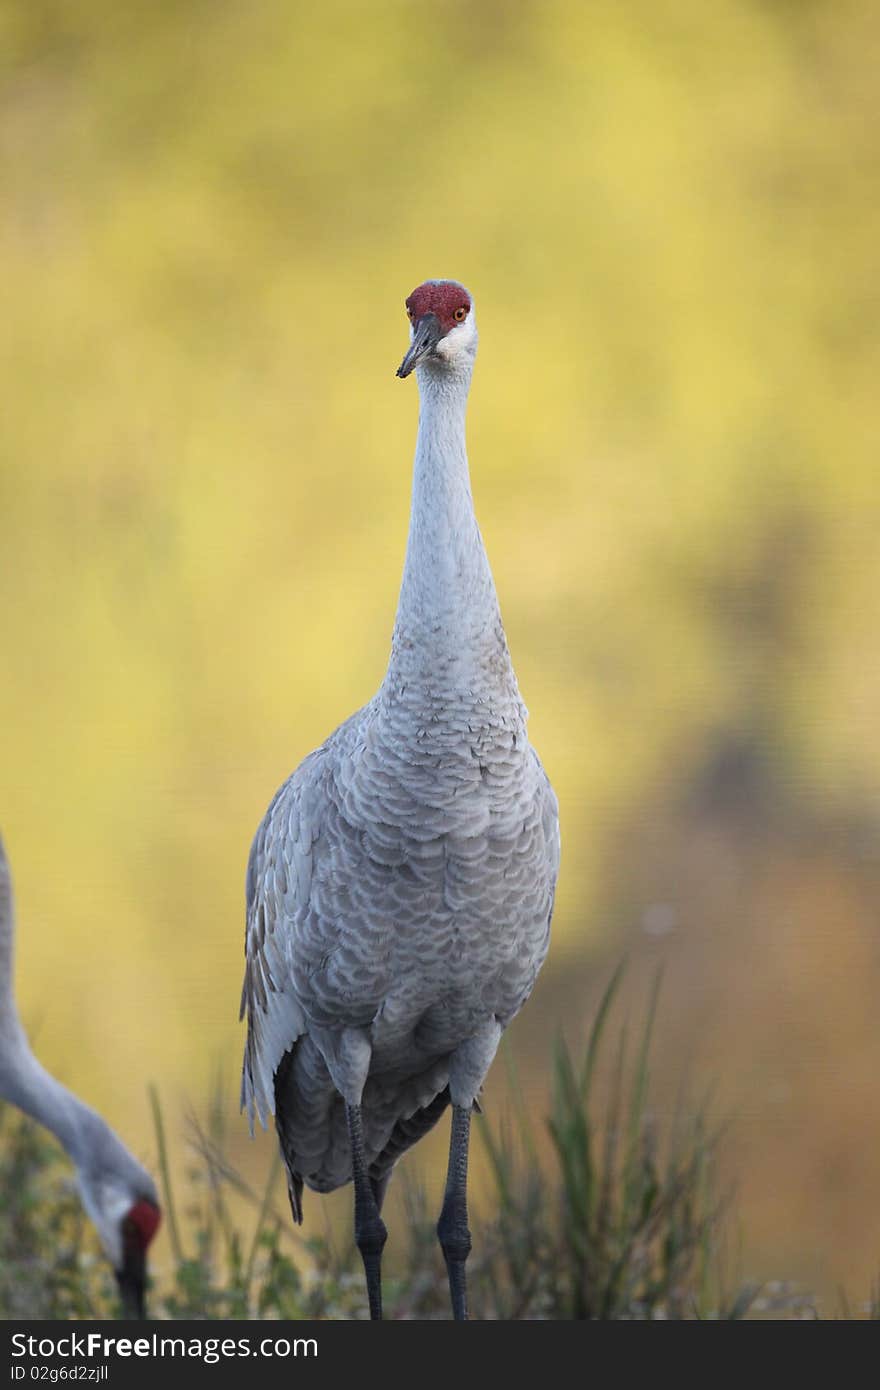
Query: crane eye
point(409, 313)
point(460, 315)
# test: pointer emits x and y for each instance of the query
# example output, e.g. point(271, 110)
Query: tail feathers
point(295, 1193)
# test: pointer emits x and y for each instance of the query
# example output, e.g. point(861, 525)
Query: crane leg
point(452, 1228)
point(369, 1228)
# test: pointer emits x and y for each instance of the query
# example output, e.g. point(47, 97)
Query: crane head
point(443, 330)
point(138, 1227)
point(120, 1197)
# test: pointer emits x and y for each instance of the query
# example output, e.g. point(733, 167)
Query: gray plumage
point(400, 887)
point(116, 1190)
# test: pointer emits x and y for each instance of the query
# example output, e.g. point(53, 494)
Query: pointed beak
point(132, 1282)
point(426, 336)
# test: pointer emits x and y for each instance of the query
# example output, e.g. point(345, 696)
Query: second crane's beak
point(426, 336)
point(132, 1282)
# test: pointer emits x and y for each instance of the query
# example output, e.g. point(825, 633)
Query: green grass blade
point(165, 1175)
point(598, 1027)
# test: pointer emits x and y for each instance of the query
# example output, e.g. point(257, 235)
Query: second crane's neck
point(448, 638)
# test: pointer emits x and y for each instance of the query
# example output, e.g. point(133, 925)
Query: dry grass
point(624, 1222)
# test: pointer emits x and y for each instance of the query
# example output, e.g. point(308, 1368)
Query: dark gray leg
point(379, 1186)
point(369, 1228)
point(452, 1228)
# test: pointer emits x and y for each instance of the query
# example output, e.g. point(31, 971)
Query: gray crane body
point(400, 888)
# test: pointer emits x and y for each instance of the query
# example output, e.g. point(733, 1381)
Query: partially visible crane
point(400, 888)
point(117, 1192)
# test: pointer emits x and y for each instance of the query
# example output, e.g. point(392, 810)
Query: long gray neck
point(7, 931)
point(22, 1080)
point(27, 1085)
point(448, 641)
point(87, 1137)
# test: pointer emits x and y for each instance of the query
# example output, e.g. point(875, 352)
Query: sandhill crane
point(117, 1192)
point(400, 887)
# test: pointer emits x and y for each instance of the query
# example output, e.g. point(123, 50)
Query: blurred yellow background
point(669, 215)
